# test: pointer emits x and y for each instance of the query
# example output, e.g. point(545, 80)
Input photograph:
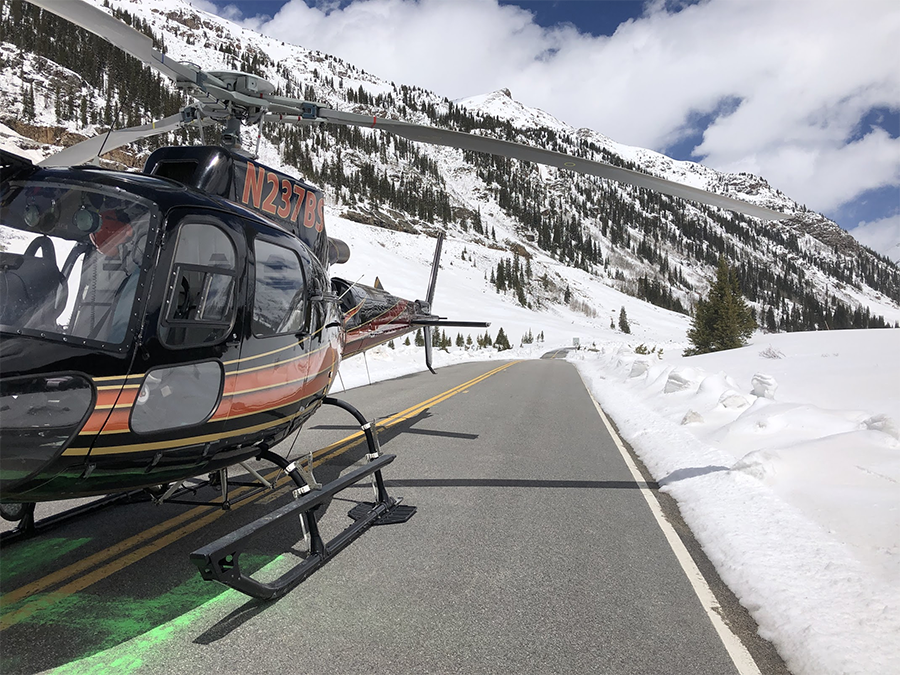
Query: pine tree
point(501, 342)
point(623, 321)
point(771, 326)
point(28, 112)
point(420, 339)
point(723, 320)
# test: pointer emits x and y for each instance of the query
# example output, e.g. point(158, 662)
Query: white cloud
point(804, 71)
point(882, 236)
point(229, 12)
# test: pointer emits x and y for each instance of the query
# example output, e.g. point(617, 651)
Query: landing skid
point(29, 527)
point(220, 560)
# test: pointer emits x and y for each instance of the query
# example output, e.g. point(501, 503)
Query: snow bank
point(784, 457)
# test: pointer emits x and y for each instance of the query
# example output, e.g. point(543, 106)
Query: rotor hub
point(244, 83)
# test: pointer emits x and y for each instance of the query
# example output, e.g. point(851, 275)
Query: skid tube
point(29, 527)
point(220, 560)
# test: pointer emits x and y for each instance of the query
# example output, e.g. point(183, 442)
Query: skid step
point(220, 560)
point(400, 513)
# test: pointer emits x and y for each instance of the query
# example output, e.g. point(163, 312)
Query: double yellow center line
point(95, 568)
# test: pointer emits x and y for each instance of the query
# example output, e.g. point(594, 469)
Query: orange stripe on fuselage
point(257, 389)
point(278, 397)
point(268, 383)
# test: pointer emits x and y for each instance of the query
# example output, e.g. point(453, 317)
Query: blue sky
point(595, 18)
point(805, 93)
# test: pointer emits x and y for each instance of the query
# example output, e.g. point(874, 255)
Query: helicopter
point(172, 323)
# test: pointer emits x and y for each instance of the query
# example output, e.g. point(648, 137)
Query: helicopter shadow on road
point(421, 432)
point(333, 468)
point(162, 586)
point(133, 602)
point(325, 473)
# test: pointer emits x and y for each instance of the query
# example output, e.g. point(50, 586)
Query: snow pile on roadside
point(784, 457)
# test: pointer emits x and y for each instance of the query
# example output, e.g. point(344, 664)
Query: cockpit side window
point(71, 259)
point(279, 304)
point(200, 306)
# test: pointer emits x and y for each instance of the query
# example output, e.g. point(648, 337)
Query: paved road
point(558, 353)
point(533, 550)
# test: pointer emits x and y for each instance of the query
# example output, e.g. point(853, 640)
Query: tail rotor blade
point(429, 298)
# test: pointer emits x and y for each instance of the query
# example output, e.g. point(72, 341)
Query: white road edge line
point(733, 645)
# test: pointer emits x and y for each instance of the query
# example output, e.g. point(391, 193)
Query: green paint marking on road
point(12, 663)
point(105, 622)
point(129, 659)
point(116, 633)
point(32, 555)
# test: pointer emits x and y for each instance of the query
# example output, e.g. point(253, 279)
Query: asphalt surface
point(532, 550)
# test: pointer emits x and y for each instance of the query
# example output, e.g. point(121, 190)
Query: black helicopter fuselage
point(152, 331)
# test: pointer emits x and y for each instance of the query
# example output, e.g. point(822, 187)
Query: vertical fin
point(435, 265)
point(426, 332)
point(429, 298)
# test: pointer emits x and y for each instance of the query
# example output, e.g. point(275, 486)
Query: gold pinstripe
point(195, 440)
point(233, 372)
point(127, 406)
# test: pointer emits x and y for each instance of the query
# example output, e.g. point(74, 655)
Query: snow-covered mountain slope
point(58, 83)
point(502, 105)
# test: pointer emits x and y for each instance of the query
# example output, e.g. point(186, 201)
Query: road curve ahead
point(533, 551)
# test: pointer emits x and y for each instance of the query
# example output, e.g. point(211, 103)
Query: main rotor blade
point(84, 152)
point(140, 46)
point(493, 146)
point(119, 34)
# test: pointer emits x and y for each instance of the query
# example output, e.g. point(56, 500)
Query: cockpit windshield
point(71, 258)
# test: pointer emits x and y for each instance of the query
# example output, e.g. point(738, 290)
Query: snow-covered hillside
point(800, 273)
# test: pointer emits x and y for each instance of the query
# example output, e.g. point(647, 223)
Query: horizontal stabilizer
point(444, 322)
